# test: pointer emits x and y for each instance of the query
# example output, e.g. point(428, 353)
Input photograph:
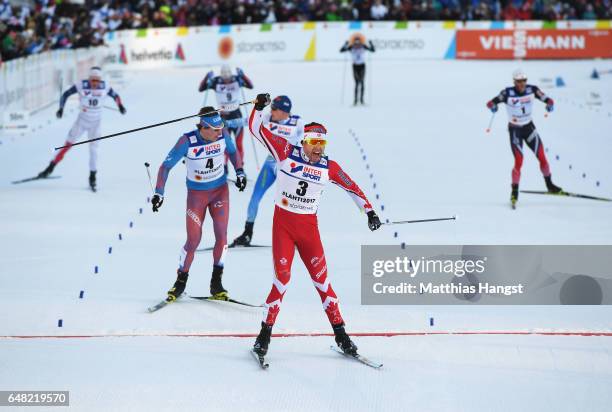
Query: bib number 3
point(301, 190)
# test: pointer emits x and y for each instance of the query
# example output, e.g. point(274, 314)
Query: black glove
point(373, 220)
point(122, 109)
point(262, 100)
point(60, 113)
point(157, 201)
point(241, 180)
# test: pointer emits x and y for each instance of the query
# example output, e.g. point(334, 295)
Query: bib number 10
point(301, 190)
point(93, 102)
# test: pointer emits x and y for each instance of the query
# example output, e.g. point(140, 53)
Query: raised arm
point(205, 83)
point(243, 80)
point(345, 47)
point(177, 153)
point(340, 178)
point(278, 146)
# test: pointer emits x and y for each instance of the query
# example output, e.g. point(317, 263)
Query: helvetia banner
point(534, 44)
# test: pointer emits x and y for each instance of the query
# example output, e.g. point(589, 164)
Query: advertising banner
point(534, 44)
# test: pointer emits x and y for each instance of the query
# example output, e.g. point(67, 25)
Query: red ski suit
point(299, 186)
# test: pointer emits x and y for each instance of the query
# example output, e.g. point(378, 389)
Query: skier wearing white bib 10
point(302, 175)
point(519, 104)
point(92, 93)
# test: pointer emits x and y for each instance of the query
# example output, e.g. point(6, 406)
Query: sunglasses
point(315, 141)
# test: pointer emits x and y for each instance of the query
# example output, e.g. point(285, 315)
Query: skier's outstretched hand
point(157, 201)
point(60, 113)
point(241, 180)
point(261, 101)
point(373, 220)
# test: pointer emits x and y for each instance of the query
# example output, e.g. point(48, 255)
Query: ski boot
point(552, 188)
point(343, 340)
point(179, 286)
point(45, 173)
point(263, 340)
point(217, 291)
point(245, 238)
point(514, 195)
point(92, 180)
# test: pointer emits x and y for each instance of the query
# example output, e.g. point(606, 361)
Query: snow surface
point(424, 142)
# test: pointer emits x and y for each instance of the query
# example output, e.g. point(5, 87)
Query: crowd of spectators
point(34, 26)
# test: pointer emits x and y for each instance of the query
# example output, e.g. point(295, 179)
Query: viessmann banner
point(534, 44)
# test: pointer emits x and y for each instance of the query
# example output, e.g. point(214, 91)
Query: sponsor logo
point(226, 47)
point(194, 217)
point(283, 261)
point(179, 54)
point(291, 196)
point(295, 169)
point(311, 173)
point(146, 55)
point(344, 178)
point(398, 44)
point(197, 151)
point(321, 272)
point(538, 44)
point(213, 149)
point(261, 47)
point(218, 204)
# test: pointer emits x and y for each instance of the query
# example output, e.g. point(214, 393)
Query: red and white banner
point(534, 44)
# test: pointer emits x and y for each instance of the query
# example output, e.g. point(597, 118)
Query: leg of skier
point(516, 145)
point(535, 144)
point(219, 212)
point(92, 133)
point(75, 132)
point(311, 252)
point(356, 78)
point(197, 200)
point(283, 251)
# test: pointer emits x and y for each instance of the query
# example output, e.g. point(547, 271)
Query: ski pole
point(146, 127)
point(111, 108)
point(401, 222)
point(251, 139)
point(491, 122)
point(149, 174)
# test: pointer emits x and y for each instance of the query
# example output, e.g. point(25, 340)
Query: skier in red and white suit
point(301, 178)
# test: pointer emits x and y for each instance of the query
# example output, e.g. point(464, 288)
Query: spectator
point(379, 10)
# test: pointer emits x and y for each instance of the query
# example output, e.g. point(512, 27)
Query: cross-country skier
point(227, 90)
point(282, 123)
point(519, 104)
point(92, 93)
point(302, 175)
point(358, 50)
point(204, 150)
